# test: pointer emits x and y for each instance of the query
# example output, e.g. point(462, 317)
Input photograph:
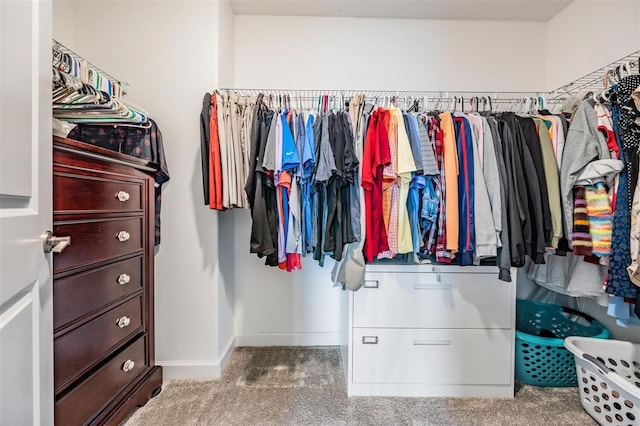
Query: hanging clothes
point(140, 142)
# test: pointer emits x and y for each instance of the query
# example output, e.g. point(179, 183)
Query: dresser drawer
point(432, 300)
point(80, 193)
point(90, 396)
point(97, 240)
point(77, 350)
point(80, 294)
point(455, 357)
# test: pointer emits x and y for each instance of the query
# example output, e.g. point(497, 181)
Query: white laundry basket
point(609, 379)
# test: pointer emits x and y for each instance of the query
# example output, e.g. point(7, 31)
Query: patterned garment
point(437, 242)
point(634, 267)
point(600, 216)
point(391, 191)
point(618, 283)
point(580, 236)
point(628, 130)
point(145, 143)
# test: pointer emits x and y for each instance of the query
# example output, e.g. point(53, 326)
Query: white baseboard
point(288, 339)
point(198, 370)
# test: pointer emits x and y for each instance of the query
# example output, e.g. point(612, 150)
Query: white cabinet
point(431, 330)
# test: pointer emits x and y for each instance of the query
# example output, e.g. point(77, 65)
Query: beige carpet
point(306, 386)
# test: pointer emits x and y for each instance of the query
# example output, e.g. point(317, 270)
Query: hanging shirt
point(222, 138)
point(390, 187)
point(450, 156)
point(437, 236)
point(426, 148)
point(205, 136)
point(484, 230)
point(619, 283)
point(406, 167)
point(414, 141)
point(418, 185)
point(515, 195)
point(491, 173)
point(375, 158)
point(553, 182)
point(466, 235)
point(308, 166)
point(532, 141)
point(215, 168)
point(504, 252)
point(145, 143)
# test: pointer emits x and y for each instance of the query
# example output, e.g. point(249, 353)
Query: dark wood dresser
point(104, 362)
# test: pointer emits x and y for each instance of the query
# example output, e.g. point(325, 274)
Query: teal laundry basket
point(541, 358)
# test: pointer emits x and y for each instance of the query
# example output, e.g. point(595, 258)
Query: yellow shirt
point(406, 165)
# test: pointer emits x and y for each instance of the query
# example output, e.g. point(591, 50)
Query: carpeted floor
point(306, 386)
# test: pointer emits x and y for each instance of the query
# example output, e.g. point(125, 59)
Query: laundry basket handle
point(578, 313)
point(601, 365)
point(577, 351)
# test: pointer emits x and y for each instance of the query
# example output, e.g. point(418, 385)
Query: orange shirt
point(450, 154)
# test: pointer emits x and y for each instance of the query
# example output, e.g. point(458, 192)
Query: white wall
point(302, 307)
point(588, 35)
point(387, 54)
point(172, 52)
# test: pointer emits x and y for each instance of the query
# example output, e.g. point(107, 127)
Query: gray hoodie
point(583, 145)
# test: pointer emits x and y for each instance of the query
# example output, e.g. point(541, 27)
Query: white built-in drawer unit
point(431, 330)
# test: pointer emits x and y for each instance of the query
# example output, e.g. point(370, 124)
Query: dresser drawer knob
point(128, 366)
point(124, 279)
point(124, 322)
point(123, 236)
point(123, 196)
point(369, 340)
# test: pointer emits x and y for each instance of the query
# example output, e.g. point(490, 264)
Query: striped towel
point(600, 218)
point(581, 237)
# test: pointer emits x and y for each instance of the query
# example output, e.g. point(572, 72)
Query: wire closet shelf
point(56, 45)
point(600, 79)
point(441, 99)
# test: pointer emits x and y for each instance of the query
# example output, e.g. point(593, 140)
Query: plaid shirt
point(437, 236)
point(390, 190)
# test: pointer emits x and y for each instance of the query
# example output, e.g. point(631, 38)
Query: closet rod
point(431, 96)
point(398, 93)
point(595, 80)
point(64, 49)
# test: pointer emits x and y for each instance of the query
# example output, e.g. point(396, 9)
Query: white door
point(26, 335)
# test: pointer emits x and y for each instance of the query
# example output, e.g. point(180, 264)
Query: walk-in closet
point(260, 212)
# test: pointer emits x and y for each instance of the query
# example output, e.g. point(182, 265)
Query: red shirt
point(375, 157)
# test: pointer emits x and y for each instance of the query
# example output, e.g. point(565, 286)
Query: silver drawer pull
point(124, 279)
point(433, 286)
point(431, 342)
point(123, 236)
point(123, 196)
point(128, 366)
point(124, 322)
point(369, 340)
point(371, 284)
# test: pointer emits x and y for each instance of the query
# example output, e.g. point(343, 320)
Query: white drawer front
point(454, 357)
point(431, 300)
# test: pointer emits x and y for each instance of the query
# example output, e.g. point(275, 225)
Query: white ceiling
point(512, 10)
